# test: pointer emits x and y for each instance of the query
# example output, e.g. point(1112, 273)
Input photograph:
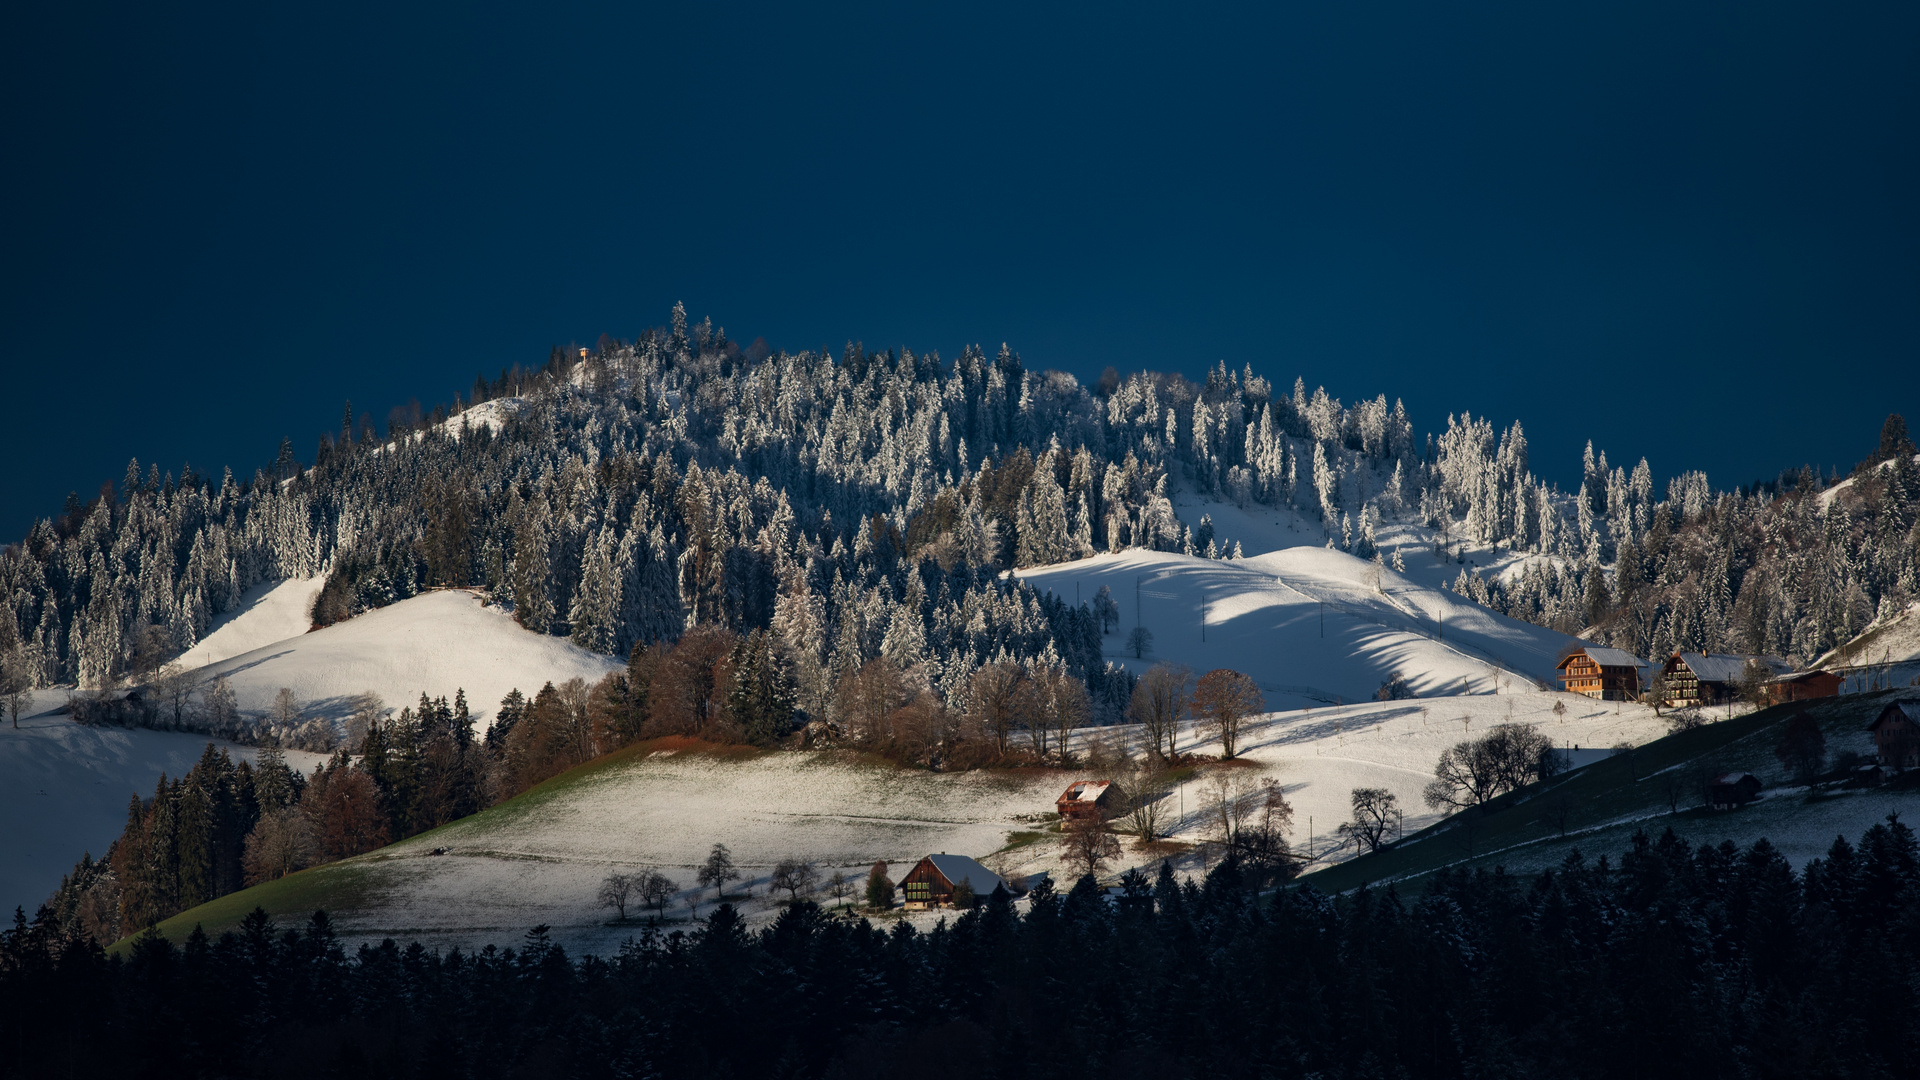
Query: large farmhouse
point(1711, 678)
point(933, 880)
point(1606, 674)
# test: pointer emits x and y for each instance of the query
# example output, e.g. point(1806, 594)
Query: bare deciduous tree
point(1507, 757)
point(616, 891)
point(1088, 845)
point(655, 890)
point(795, 877)
point(281, 842)
point(717, 871)
point(1373, 815)
point(1224, 700)
point(1159, 703)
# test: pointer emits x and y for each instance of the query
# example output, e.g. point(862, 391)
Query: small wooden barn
point(1802, 686)
point(1896, 734)
point(1711, 678)
point(1095, 800)
point(932, 881)
point(1734, 789)
point(1606, 674)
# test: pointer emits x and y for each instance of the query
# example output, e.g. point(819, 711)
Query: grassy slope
point(349, 883)
point(1606, 802)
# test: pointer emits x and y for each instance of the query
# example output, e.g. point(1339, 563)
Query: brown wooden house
point(1896, 734)
point(1096, 800)
point(1730, 790)
point(932, 881)
point(1710, 678)
point(1802, 686)
point(1606, 674)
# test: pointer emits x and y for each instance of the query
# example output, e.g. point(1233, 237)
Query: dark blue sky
point(1690, 235)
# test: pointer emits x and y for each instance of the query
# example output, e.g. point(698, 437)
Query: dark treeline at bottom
point(1674, 961)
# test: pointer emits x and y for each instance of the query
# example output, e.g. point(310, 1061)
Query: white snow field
point(64, 791)
point(1311, 625)
point(434, 643)
point(269, 612)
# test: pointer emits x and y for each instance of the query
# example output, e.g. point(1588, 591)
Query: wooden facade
point(1896, 734)
point(1710, 678)
point(1802, 686)
point(1091, 800)
point(933, 881)
point(1605, 674)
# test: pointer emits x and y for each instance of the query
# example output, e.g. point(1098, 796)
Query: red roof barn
point(1097, 800)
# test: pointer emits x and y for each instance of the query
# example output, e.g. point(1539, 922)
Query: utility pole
point(1203, 616)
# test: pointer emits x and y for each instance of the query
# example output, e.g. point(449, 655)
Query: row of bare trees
point(1222, 701)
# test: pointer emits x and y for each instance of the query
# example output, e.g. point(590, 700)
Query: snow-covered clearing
point(269, 612)
point(64, 791)
point(1312, 626)
point(434, 643)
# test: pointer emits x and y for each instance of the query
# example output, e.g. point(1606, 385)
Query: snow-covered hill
point(269, 612)
point(540, 859)
point(433, 643)
point(64, 791)
point(1311, 625)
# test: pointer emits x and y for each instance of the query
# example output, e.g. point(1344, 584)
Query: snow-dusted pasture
point(434, 643)
point(1311, 625)
point(541, 859)
point(64, 790)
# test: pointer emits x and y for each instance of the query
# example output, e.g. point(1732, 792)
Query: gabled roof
point(1613, 657)
point(959, 868)
point(1907, 707)
point(1732, 778)
point(1801, 676)
point(1085, 791)
point(1727, 667)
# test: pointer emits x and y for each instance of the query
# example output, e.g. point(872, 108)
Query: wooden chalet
point(1734, 789)
point(932, 881)
point(1802, 686)
point(1606, 674)
point(1896, 734)
point(1095, 800)
point(1711, 678)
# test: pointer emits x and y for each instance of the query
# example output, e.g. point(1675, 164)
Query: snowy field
point(1311, 625)
point(269, 612)
point(541, 860)
point(434, 643)
point(64, 790)
point(64, 787)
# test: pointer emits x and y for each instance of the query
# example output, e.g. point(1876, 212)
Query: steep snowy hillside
point(1311, 625)
point(433, 643)
point(64, 791)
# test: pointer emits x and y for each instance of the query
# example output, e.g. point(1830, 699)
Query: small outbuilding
point(1095, 800)
point(1802, 686)
point(934, 879)
point(1734, 789)
point(1896, 734)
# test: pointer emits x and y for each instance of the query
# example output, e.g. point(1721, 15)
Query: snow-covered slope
point(64, 791)
point(268, 612)
point(433, 643)
point(1311, 625)
point(541, 859)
